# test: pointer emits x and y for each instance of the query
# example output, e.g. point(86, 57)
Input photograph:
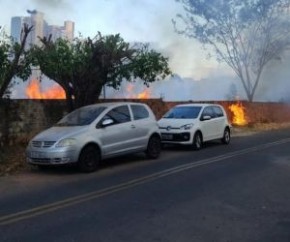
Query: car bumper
point(51, 157)
point(176, 138)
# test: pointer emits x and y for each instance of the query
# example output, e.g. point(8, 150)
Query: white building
point(40, 28)
point(17, 25)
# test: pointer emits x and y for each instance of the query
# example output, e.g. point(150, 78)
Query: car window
point(208, 111)
point(81, 116)
point(139, 112)
point(119, 115)
point(183, 112)
point(218, 111)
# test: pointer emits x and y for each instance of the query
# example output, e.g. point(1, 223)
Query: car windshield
point(82, 116)
point(183, 113)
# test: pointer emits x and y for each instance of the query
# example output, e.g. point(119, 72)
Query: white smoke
point(275, 81)
point(197, 78)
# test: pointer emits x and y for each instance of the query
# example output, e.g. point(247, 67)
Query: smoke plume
point(51, 3)
point(197, 77)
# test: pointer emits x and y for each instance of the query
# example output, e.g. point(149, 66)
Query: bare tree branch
point(246, 35)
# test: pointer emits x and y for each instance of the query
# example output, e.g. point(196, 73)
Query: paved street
point(222, 193)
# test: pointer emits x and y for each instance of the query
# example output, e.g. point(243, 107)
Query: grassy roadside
point(259, 127)
point(12, 158)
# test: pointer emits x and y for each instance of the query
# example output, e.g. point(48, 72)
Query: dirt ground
point(12, 158)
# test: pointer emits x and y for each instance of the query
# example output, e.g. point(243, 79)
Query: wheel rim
point(197, 141)
point(227, 136)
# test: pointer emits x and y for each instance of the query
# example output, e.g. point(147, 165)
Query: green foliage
point(148, 64)
point(4, 51)
point(14, 60)
point(85, 66)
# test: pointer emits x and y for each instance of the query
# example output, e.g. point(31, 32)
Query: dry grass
point(258, 127)
point(12, 158)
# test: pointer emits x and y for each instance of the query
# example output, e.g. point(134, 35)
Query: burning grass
point(239, 114)
point(34, 91)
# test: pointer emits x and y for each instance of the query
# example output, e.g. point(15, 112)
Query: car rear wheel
point(154, 147)
point(227, 136)
point(89, 159)
point(197, 141)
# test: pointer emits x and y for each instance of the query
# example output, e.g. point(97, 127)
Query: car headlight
point(186, 127)
point(66, 142)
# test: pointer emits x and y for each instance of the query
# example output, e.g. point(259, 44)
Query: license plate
point(167, 136)
point(35, 154)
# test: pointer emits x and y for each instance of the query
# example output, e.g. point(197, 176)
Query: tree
point(13, 61)
point(246, 35)
point(232, 93)
point(84, 67)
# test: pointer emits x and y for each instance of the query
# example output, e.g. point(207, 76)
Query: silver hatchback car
point(95, 132)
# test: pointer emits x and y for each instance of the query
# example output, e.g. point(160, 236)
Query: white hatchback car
point(193, 124)
point(95, 132)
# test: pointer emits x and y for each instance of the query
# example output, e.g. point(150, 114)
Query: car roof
point(112, 104)
point(197, 105)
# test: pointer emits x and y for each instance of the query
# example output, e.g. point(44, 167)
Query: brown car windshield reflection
point(82, 116)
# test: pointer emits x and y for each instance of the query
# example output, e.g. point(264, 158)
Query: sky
point(145, 21)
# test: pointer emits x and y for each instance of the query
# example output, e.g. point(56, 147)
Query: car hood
point(174, 123)
point(57, 133)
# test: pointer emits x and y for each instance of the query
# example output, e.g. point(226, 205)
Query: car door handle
point(133, 126)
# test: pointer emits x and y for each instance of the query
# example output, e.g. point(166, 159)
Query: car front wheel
point(227, 136)
point(197, 141)
point(89, 159)
point(154, 147)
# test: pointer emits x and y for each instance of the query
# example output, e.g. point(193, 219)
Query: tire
point(154, 147)
point(227, 136)
point(197, 141)
point(89, 159)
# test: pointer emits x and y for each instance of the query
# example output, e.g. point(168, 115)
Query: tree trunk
point(7, 79)
point(5, 106)
point(251, 97)
point(84, 98)
point(69, 102)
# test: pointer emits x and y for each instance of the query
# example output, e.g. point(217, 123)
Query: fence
point(22, 119)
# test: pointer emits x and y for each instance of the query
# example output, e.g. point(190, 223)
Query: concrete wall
point(22, 119)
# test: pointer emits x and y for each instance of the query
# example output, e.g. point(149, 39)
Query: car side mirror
point(107, 122)
point(205, 117)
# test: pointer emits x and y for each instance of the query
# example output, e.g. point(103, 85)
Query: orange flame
point(239, 117)
point(143, 95)
point(33, 91)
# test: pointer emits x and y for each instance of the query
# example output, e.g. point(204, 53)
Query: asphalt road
point(238, 192)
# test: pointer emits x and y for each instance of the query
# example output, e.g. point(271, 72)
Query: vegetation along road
point(238, 192)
